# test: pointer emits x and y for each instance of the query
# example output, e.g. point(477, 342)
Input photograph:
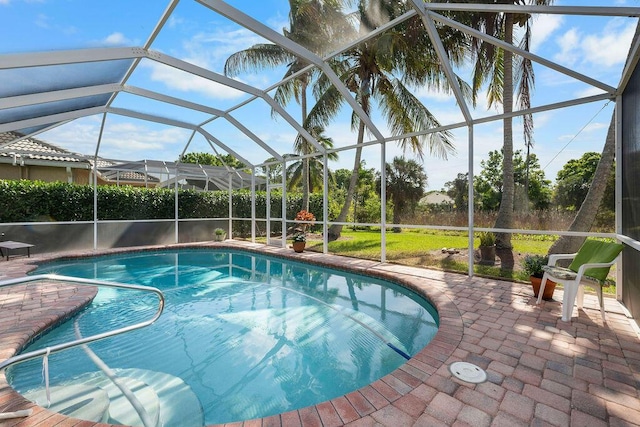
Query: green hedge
point(30, 201)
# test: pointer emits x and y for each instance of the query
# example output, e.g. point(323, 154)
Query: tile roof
point(32, 148)
point(35, 149)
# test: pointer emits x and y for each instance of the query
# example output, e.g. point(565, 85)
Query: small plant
point(532, 265)
point(305, 216)
point(219, 232)
point(299, 237)
point(487, 238)
point(306, 219)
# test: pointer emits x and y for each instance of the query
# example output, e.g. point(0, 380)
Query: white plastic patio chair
point(590, 266)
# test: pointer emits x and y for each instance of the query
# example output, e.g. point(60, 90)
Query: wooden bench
point(10, 245)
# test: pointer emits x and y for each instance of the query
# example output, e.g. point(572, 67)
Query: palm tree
point(382, 70)
point(315, 25)
point(587, 214)
point(312, 167)
point(496, 66)
point(405, 184)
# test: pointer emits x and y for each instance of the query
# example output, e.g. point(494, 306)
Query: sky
point(594, 46)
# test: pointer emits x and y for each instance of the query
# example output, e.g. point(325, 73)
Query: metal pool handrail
point(90, 282)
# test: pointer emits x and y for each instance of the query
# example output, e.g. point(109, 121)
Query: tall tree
point(458, 190)
point(381, 71)
point(496, 66)
point(314, 24)
point(589, 208)
point(312, 168)
point(574, 179)
point(405, 184)
point(489, 183)
point(213, 160)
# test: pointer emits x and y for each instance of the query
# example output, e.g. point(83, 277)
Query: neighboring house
point(436, 198)
point(36, 160)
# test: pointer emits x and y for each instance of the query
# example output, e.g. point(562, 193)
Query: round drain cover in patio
point(468, 372)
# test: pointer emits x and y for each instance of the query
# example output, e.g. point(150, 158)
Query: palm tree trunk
point(587, 214)
point(336, 229)
point(504, 249)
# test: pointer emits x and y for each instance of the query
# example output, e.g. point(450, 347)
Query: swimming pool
point(242, 336)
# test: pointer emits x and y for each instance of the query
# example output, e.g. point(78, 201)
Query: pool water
point(250, 335)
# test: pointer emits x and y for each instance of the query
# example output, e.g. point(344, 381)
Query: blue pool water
point(251, 335)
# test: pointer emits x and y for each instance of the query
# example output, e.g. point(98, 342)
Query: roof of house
point(14, 145)
point(15, 148)
point(21, 150)
point(436, 198)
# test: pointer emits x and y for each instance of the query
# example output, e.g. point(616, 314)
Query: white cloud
point(605, 48)
point(569, 45)
point(543, 27)
point(116, 39)
point(42, 20)
point(213, 48)
point(175, 21)
point(590, 91)
point(185, 82)
point(121, 140)
point(611, 46)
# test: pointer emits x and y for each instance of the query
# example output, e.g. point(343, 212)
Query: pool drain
point(468, 372)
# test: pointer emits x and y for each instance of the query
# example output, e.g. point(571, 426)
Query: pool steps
point(94, 397)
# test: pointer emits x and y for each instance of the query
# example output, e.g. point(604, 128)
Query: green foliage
point(487, 238)
point(213, 160)
point(405, 184)
point(29, 201)
point(366, 203)
point(488, 184)
point(532, 264)
point(458, 190)
point(299, 237)
point(573, 182)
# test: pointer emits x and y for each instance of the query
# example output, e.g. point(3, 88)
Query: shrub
point(532, 265)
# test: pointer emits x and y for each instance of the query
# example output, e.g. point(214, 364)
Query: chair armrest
point(554, 258)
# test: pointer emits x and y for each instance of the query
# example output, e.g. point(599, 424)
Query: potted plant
point(487, 248)
point(219, 234)
point(304, 220)
point(299, 242)
point(532, 265)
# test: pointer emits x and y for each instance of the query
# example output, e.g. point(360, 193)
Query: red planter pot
point(548, 288)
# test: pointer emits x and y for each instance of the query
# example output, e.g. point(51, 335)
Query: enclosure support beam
point(95, 183)
point(284, 204)
point(325, 204)
point(230, 211)
point(618, 190)
point(470, 201)
point(383, 202)
point(253, 204)
point(175, 207)
point(268, 205)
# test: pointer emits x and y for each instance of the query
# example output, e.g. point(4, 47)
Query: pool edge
point(339, 411)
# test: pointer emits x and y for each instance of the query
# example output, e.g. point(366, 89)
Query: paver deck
point(541, 370)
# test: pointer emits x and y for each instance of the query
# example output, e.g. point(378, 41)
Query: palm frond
point(524, 86)
point(406, 114)
point(257, 57)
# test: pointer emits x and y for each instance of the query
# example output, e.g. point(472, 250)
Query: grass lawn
point(423, 248)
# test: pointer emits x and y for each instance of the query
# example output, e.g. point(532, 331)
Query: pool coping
point(338, 411)
point(541, 370)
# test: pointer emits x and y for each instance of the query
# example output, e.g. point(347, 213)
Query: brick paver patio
point(541, 371)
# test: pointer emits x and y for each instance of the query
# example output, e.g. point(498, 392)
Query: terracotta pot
point(548, 288)
point(299, 246)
